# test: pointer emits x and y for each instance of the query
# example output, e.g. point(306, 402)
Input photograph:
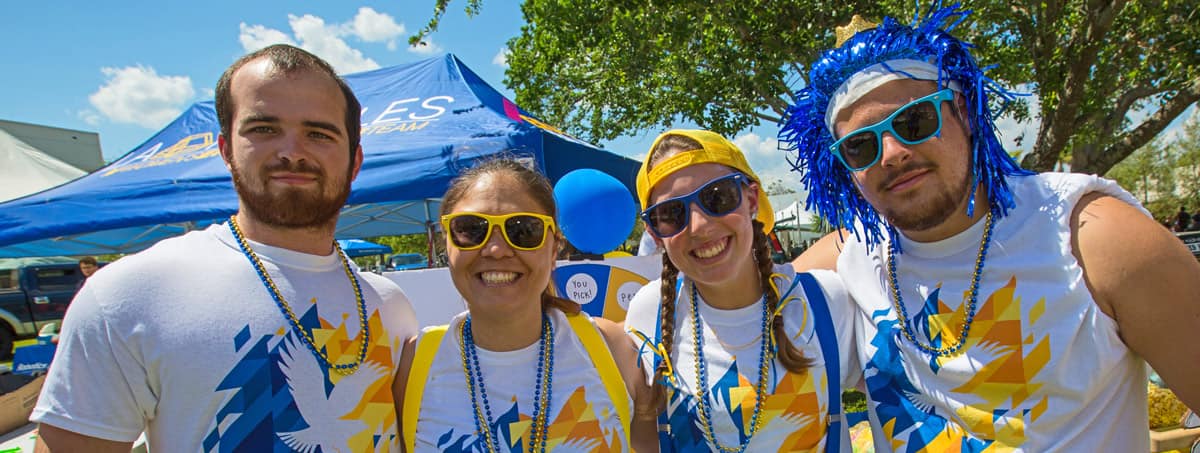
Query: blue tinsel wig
point(831, 189)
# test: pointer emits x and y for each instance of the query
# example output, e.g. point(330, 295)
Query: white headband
point(874, 76)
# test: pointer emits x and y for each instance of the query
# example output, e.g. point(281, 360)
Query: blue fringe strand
point(831, 189)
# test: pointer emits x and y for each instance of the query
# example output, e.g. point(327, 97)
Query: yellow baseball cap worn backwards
point(714, 149)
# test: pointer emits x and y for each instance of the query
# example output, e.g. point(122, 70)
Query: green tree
point(635, 237)
point(1147, 174)
point(1095, 66)
point(607, 68)
point(409, 243)
point(1187, 162)
point(1164, 175)
point(778, 187)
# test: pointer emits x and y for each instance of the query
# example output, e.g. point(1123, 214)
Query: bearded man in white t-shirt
point(999, 309)
point(257, 334)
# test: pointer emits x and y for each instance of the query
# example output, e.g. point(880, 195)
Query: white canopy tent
point(795, 227)
point(794, 217)
point(26, 170)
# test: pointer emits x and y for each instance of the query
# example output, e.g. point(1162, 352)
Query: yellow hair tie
point(779, 309)
point(658, 350)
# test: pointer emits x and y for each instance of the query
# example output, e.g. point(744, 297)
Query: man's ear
point(358, 159)
point(226, 151)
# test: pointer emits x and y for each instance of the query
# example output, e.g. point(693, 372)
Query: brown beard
point(292, 208)
point(932, 213)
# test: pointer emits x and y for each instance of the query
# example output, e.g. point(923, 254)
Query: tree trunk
point(1090, 158)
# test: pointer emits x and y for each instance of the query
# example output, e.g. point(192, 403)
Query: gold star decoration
point(857, 24)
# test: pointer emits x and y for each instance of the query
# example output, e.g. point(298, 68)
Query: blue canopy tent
point(423, 123)
point(355, 248)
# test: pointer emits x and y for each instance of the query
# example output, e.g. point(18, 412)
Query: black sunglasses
point(716, 198)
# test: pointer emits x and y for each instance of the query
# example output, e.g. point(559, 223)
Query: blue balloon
point(595, 211)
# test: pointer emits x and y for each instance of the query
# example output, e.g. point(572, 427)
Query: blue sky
point(125, 69)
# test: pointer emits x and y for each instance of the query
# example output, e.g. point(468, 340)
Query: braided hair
point(666, 312)
point(789, 355)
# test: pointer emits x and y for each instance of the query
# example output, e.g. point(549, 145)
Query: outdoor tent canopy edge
point(423, 123)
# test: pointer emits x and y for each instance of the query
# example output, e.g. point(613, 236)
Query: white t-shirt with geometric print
point(184, 341)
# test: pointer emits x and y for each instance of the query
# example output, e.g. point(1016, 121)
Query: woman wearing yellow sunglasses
point(521, 370)
point(746, 355)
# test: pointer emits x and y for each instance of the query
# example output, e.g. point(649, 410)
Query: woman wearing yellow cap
point(743, 355)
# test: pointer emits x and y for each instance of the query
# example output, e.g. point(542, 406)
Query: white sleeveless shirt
point(1042, 368)
point(582, 416)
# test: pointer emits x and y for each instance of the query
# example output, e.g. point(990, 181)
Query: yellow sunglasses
point(522, 230)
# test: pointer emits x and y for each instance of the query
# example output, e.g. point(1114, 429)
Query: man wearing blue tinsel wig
point(998, 309)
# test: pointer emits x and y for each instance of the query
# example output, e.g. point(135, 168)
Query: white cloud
point(325, 41)
point(329, 40)
point(373, 26)
point(314, 35)
point(138, 95)
point(254, 37)
point(89, 116)
point(425, 47)
point(1010, 131)
point(762, 152)
point(767, 160)
point(753, 145)
point(501, 58)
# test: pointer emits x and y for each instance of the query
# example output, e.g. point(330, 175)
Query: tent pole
point(429, 242)
point(428, 234)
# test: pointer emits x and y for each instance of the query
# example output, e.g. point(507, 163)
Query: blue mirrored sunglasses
point(717, 198)
point(913, 123)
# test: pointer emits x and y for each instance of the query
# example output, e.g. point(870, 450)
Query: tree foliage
point(607, 68)
point(1164, 176)
point(778, 187)
point(409, 243)
point(1095, 66)
point(611, 69)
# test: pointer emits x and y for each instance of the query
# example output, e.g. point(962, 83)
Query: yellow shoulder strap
point(414, 389)
point(602, 359)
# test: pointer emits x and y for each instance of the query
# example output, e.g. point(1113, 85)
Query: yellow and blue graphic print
point(993, 394)
point(283, 399)
point(576, 428)
point(793, 418)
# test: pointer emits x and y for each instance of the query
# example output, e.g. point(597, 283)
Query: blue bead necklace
point(474, 377)
point(905, 326)
point(760, 388)
point(294, 322)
